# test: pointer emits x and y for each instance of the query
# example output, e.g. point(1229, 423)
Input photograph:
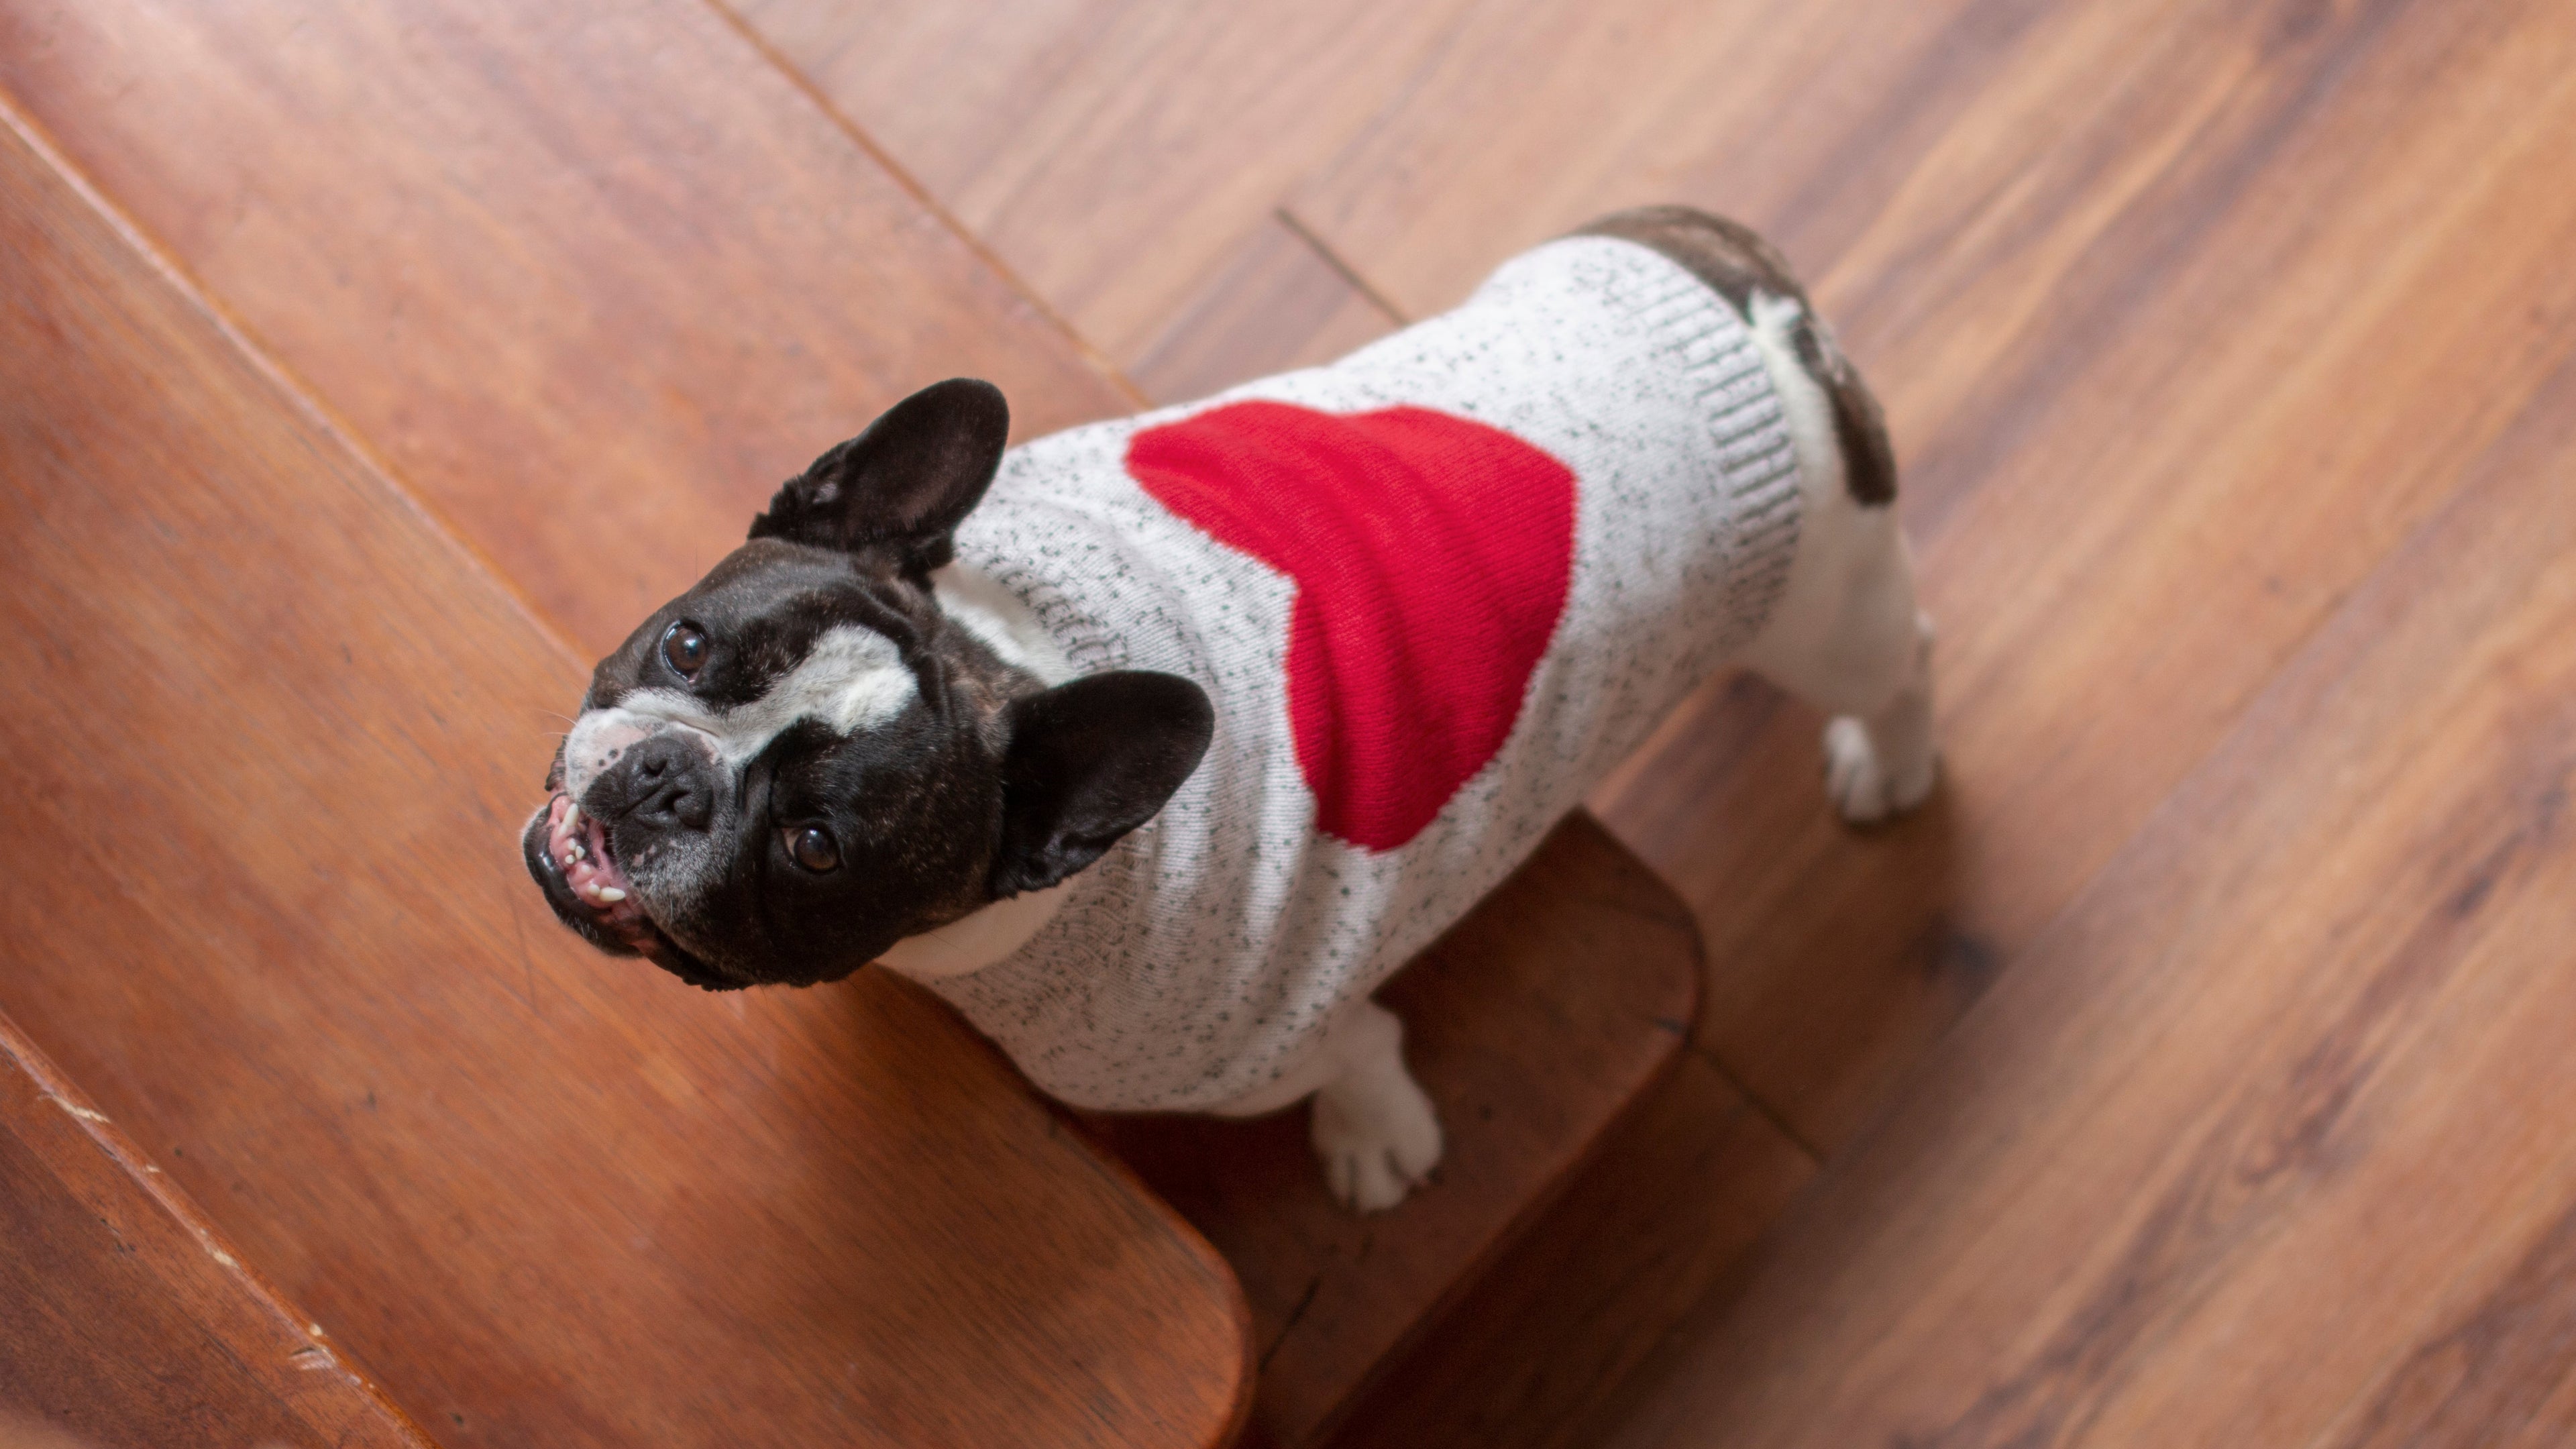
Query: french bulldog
point(1155, 746)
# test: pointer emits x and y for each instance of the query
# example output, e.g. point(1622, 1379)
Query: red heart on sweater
point(1431, 556)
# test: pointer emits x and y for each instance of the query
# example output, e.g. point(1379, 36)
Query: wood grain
point(589, 281)
point(1806, 120)
point(131, 1321)
point(2182, 313)
point(272, 735)
point(2266, 1140)
point(1116, 154)
point(1277, 305)
point(1537, 1024)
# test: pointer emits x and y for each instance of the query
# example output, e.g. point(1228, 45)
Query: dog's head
point(802, 759)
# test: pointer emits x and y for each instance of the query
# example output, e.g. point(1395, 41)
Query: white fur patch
point(1001, 621)
point(1842, 636)
point(975, 940)
point(1374, 1128)
point(851, 680)
point(1803, 404)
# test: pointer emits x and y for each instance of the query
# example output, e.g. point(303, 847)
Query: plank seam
point(912, 187)
point(1753, 1099)
point(289, 386)
point(1341, 268)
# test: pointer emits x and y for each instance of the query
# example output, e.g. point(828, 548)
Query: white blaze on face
point(852, 679)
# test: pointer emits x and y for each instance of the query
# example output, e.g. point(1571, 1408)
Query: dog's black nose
point(669, 784)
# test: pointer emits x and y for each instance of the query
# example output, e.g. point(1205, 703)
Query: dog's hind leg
point(1854, 644)
point(1881, 761)
point(1847, 635)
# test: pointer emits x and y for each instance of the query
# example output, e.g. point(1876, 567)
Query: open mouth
point(568, 853)
point(577, 845)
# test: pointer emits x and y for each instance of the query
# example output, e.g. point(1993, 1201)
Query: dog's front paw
point(1378, 1141)
point(1861, 785)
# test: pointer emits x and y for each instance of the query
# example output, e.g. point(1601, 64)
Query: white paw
point(1377, 1142)
point(1860, 785)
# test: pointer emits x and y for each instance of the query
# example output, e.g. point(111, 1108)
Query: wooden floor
point(2195, 1070)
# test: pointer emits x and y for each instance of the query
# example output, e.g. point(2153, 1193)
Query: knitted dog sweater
point(1434, 591)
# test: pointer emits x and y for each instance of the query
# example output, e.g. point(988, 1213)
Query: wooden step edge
point(307, 401)
point(1105, 1159)
point(279, 1348)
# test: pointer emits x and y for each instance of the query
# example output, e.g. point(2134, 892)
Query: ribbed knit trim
point(1714, 349)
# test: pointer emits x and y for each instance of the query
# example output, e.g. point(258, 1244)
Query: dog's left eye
point(684, 648)
point(813, 847)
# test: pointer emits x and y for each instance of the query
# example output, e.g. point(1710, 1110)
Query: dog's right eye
point(684, 648)
point(814, 848)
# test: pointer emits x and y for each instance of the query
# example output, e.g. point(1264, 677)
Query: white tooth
point(572, 818)
point(611, 894)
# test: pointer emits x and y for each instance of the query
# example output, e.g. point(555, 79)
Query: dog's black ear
point(908, 481)
point(1090, 761)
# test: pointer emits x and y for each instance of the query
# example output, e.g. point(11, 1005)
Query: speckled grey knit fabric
point(1207, 953)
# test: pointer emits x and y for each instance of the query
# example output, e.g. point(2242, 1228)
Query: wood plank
point(1539, 115)
point(131, 1321)
point(272, 733)
point(2182, 317)
point(2495, 1367)
point(1116, 154)
point(1536, 1024)
point(2267, 1141)
point(1277, 305)
point(589, 281)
